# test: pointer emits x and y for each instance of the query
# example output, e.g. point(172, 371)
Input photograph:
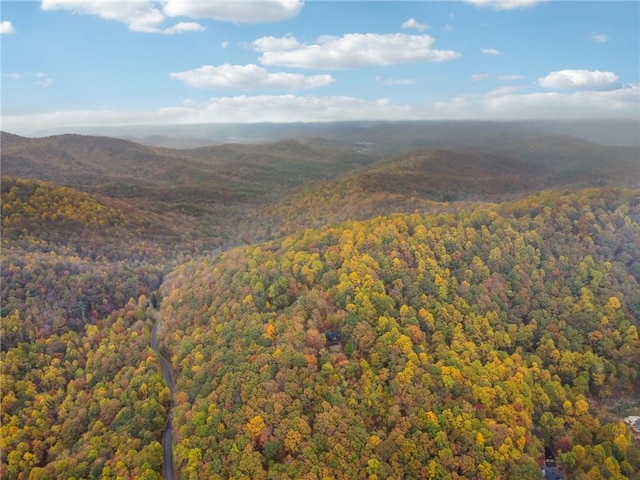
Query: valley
point(483, 280)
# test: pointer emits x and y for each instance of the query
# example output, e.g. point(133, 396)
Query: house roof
point(549, 474)
point(332, 335)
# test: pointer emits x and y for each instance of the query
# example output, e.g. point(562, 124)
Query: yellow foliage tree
point(255, 425)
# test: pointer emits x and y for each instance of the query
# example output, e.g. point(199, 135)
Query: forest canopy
point(470, 341)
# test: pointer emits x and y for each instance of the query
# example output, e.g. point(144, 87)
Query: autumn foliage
point(472, 335)
point(470, 342)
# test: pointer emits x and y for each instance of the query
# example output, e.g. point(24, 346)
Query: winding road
point(167, 437)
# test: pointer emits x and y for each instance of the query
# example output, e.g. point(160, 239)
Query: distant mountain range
point(395, 135)
point(307, 182)
point(122, 168)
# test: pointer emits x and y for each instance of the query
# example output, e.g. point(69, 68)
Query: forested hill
point(574, 162)
point(423, 179)
point(469, 342)
point(225, 174)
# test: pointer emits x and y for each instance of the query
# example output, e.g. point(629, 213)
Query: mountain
point(577, 162)
point(423, 179)
point(390, 137)
point(379, 302)
point(123, 168)
point(91, 162)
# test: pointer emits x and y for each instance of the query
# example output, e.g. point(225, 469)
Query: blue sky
point(68, 63)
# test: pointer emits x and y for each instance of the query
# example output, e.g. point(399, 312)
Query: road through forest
point(167, 436)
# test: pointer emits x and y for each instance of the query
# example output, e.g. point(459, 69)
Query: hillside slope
point(70, 258)
point(469, 341)
point(219, 174)
point(77, 270)
point(577, 163)
point(424, 179)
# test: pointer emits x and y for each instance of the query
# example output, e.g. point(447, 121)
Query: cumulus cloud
point(599, 37)
point(237, 11)
point(479, 76)
point(139, 15)
point(394, 82)
point(6, 27)
point(184, 27)
point(271, 44)
point(490, 51)
point(413, 24)
point(351, 51)
point(585, 79)
point(504, 4)
point(150, 16)
point(243, 77)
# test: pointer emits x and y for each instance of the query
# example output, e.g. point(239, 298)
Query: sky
point(71, 63)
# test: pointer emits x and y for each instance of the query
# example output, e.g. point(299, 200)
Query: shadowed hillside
point(575, 162)
point(227, 173)
point(424, 179)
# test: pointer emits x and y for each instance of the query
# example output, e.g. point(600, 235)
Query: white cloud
point(490, 51)
point(43, 80)
point(139, 15)
point(599, 37)
point(290, 108)
point(479, 76)
point(510, 103)
point(182, 27)
point(247, 109)
point(236, 11)
point(6, 27)
point(447, 28)
point(412, 23)
point(510, 77)
point(585, 79)
point(76, 118)
point(242, 77)
point(149, 16)
point(39, 79)
point(352, 51)
point(225, 45)
point(393, 82)
point(270, 44)
point(595, 103)
point(503, 103)
point(504, 4)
